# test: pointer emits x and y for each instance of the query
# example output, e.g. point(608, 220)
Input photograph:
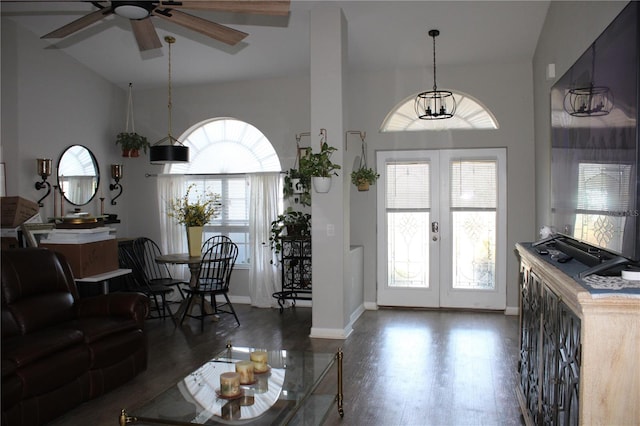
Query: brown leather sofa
point(59, 350)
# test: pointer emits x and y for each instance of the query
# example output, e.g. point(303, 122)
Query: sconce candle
point(116, 171)
point(116, 174)
point(43, 168)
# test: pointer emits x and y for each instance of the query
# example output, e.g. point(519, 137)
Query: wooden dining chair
point(137, 281)
point(210, 242)
point(215, 276)
point(146, 251)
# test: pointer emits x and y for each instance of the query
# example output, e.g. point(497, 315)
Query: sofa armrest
point(130, 305)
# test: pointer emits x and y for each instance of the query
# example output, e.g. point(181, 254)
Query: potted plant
point(318, 165)
point(194, 215)
point(297, 186)
point(131, 143)
point(291, 223)
point(363, 177)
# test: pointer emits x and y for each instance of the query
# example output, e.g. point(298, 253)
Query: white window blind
point(473, 184)
point(408, 186)
point(603, 187)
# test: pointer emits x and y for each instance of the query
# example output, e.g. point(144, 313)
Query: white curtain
point(264, 276)
point(173, 238)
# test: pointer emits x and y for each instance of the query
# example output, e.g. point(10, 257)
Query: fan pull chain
point(130, 112)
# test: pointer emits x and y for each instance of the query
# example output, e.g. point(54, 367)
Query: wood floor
point(402, 367)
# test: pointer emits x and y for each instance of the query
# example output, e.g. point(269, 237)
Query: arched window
point(470, 114)
point(222, 152)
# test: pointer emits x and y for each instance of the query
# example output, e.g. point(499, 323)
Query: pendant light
point(169, 149)
point(435, 104)
point(592, 100)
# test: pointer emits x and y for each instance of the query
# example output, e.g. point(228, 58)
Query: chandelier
point(435, 104)
point(590, 101)
point(169, 149)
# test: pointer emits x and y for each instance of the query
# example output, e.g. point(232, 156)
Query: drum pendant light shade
point(169, 149)
point(169, 154)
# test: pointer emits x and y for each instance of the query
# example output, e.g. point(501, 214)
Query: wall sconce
point(116, 174)
point(44, 171)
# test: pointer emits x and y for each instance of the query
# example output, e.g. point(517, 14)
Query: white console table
point(104, 278)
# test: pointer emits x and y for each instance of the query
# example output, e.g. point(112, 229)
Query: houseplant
point(291, 223)
point(363, 177)
point(319, 166)
point(194, 214)
point(131, 143)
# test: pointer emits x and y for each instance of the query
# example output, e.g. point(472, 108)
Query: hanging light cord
point(434, 63)
point(130, 112)
point(170, 40)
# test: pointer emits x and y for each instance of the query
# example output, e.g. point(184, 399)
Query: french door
point(442, 228)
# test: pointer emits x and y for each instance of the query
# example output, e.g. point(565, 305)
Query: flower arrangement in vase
point(194, 214)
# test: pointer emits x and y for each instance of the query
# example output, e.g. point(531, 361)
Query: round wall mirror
point(78, 175)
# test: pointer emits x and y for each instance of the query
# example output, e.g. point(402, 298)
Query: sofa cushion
point(115, 348)
point(39, 312)
point(39, 377)
point(97, 328)
point(25, 350)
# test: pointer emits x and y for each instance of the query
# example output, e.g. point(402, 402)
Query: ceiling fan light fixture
point(132, 9)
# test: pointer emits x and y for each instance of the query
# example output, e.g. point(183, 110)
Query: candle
point(245, 369)
point(259, 359)
point(44, 167)
point(229, 384)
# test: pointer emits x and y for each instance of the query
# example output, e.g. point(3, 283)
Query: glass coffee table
point(285, 394)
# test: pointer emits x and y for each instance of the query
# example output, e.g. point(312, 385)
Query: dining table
point(195, 264)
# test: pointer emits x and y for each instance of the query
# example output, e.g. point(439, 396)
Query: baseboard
point(241, 300)
point(371, 306)
point(512, 310)
point(330, 333)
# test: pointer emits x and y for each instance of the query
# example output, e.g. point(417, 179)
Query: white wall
point(504, 88)
point(50, 101)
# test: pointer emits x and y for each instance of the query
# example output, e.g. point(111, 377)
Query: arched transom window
point(470, 114)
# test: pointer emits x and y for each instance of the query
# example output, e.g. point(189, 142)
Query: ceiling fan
point(140, 13)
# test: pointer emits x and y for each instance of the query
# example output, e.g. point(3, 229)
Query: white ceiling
point(381, 34)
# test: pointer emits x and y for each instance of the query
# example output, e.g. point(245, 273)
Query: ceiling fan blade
point(145, 34)
point(276, 8)
point(79, 24)
point(211, 29)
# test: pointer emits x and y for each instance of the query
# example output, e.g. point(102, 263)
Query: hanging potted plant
point(319, 166)
point(291, 223)
point(363, 177)
point(130, 141)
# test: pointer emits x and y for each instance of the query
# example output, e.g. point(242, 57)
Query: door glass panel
point(473, 223)
point(407, 208)
point(474, 245)
point(408, 249)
